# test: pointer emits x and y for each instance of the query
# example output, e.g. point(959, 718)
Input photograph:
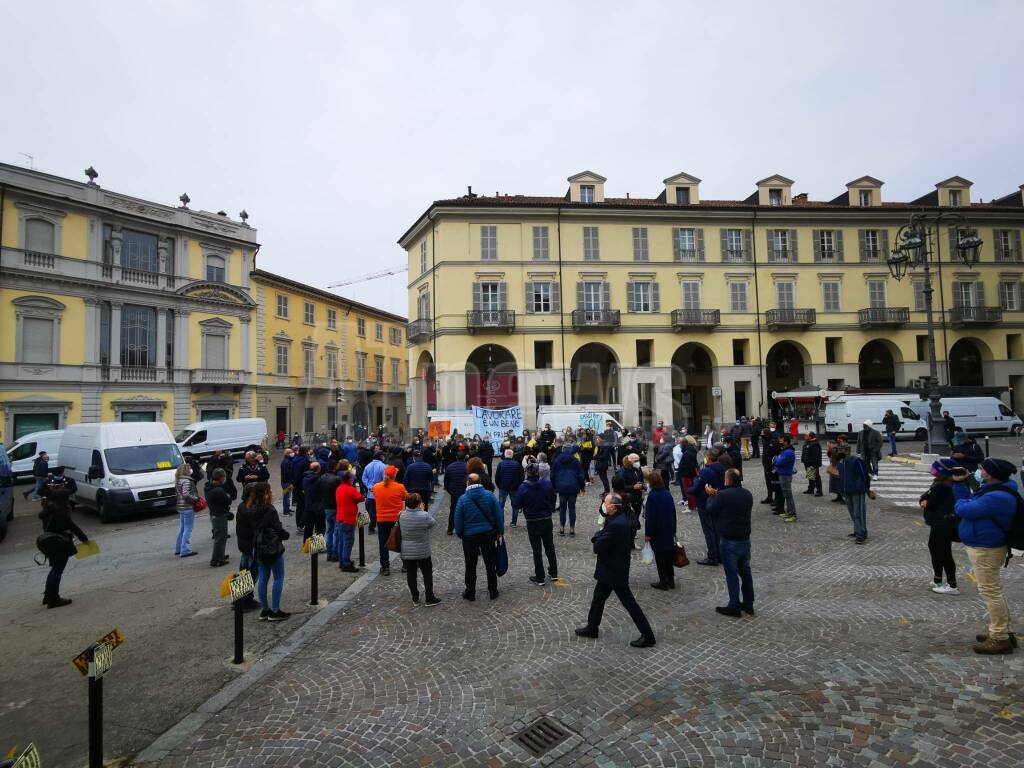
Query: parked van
point(592, 417)
point(847, 415)
point(121, 467)
point(27, 447)
point(979, 415)
point(458, 421)
point(235, 435)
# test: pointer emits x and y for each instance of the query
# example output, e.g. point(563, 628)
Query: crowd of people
point(389, 487)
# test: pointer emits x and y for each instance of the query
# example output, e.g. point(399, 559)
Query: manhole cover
point(542, 736)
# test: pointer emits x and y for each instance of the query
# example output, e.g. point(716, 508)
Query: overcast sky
point(335, 124)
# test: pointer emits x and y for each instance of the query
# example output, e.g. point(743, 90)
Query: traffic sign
point(102, 660)
point(29, 758)
point(84, 660)
point(315, 544)
point(241, 585)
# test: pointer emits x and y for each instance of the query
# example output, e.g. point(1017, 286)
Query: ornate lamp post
point(914, 249)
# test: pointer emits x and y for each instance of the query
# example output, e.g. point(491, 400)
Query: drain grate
point(542, 736)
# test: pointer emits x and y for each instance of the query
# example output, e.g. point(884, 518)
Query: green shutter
point(953, 240)
point(606, 296)
point(998, 245)
point(503, 295)
point(883, 243)
point(655, 298)
point(675, 244)
point(698, 239)
point(862, 243)
point(748, 245)
point(1016, 245)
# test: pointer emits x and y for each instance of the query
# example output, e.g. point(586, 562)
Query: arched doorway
point(965, 364)
point(692, 404)
point(785, 370)
point(492, 379)
point(876, 365)
point(595, 375)
point(427, 374)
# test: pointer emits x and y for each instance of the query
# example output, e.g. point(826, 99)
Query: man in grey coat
point(869, 446)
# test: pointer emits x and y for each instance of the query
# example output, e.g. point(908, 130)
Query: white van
point(980, 415)
point(121, 467)
point(235, 435)
point(847, 415)
point(27, 447)
point(459, 421)
point(592, 417)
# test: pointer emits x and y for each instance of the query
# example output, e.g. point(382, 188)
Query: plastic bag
point(647, 555)
point(502, 558)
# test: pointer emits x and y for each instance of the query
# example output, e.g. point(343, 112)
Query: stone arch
point(594, 374)
point(426, 372)
point(492, 377)
point(876, 363)
point(787, 367)
point(693, 366)
point(965, 362)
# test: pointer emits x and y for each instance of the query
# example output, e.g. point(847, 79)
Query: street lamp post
point(914, 249)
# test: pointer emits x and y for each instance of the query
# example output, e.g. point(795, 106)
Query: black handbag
point(54, 545)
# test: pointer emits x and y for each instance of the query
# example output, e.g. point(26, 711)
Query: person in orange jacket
point(390, 496)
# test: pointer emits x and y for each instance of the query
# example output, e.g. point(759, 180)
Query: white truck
point(594, 416)
point(846, 414)
point(458, 421)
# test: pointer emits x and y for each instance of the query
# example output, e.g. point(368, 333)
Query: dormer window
point(954, 198)
point(682, 195)
point(775, 198)
point(865, 198)
point(586, 193)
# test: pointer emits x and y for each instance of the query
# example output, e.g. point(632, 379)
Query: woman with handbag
point(415, 522)
point(188, 499)
point(390, 497)
point(56, 542)
point(269, 549)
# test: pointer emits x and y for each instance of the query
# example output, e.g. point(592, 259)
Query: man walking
point(40, 472)
point(567, 478)
point(612, 547)
point(785, 468)
point(536, 497)
point(892, 426)
point(712, 477)
point(869, 446)
point(604, 456)
point(810, 457)
point(508, 475)
point(948, 428)
point(730, 508)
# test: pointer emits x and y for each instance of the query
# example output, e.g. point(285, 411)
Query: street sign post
point(240, 587)
point(95, 661)
point(315, 544)
point(29, 758)
point(362, 550)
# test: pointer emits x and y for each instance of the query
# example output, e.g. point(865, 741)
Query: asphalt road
point(178, 631)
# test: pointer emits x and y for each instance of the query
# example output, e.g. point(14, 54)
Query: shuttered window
point(828, 245)
point(541, 247)
point(215, 269)
point(876, 294)
point(640, 249)
point(829, 296)
point(920, 302)
point(332, 364)
point(591, 244)
point(423, 256)
point(37, 340)
point(691, 294)
point(592, 295)
point(784, 295)
point(738, 296)
point(874, 244)
point(687, 244)
point(642, 296)
point(735, 244)
point(216, 352)
point(281, 359)
point(1009, 295)
point(40, 236)
point(488, 242)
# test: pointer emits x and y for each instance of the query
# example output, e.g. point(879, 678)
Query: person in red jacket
point(347, 498)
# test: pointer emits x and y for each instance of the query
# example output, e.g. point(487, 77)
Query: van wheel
point(921, 433)
point(104, 508)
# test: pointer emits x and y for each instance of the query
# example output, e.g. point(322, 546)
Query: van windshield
point(909, 414)
point(183, 435)
point(142, 458)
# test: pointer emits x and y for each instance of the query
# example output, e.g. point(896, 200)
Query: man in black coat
point(40, 471)
point(735, 453)
point(810, 457)
point(486, 454)
point(419, 477)
point(730, 507)
point(948, 427)
point(604, 455)
point(454, 486)
point(546, 438)
point(612, 545)
point(219, 502)
point(56, 517)
point(769, 450)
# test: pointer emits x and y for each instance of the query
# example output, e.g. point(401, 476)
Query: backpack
point(1015, 533)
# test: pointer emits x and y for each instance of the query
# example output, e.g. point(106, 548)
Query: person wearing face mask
point(985, 521)
point(937, 504)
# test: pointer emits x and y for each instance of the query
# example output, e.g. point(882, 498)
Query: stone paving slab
point(851, 660)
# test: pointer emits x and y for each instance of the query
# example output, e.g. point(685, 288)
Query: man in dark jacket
point(730, 508)
point(948, 427)
point(536, 498)
point(329, 482)
point(56, 516)
point(633, 483)
point(567, 478)
point(507, 478)
point(663, 461)
point(40, 471)
point(869, 446)
point(245, 538)
point(755, 437)
point(968, 455)
point(892, 426)
point(454, 486)
point(612, 547)
point(604, 456)
point(219, 502)
point(712, 477)
point(769, 450)
point(313, 502)
point(486, 454)
point(252, 471)
point(735, 454)
point(546, 438)
point(419, 478)
point(810, 457)
point(287, 479)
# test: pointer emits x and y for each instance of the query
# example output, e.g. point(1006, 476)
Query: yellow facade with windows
point(692, 310)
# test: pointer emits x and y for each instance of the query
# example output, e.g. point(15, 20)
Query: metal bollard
point(314, 586)
point(362, 548)
point(239, 646)
point(986, 447)
point(95, 722)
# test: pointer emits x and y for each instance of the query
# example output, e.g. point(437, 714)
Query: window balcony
point(682, 319)
point(596, 319)
point(789, 318)
point(490, 319)
point(419, 330)
point(872, 256)
point(962, 317)
point(688, 255)
point(84, 270)
point(828, 256)
point(217, 376)
point(735, 256)
point(883, 317)
point(781, 256)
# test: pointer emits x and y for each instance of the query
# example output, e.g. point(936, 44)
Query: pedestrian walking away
point(287, 479)
point(479, 524)
point(712, 476)
point(536, 497)
point(416, 524)
point(58, 528)
point(892, 425)
point(40, 473)
point(731, 506)
point(855, 485)
point(419, 478)
point(785, 468)
point(373, 473)
point(454, 485)
point(660, 530)
point(612, 545)
point(390, 501)
point(507, 477)
point(568, 480)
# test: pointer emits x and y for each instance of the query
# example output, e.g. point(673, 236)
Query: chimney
point(800, 199)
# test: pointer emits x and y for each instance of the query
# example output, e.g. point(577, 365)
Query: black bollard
point(95, 722)
point(362, 548)
point(314, 587)
point(239, 649)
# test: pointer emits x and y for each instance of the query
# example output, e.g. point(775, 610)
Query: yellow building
point(693, 310)
point(116, 308)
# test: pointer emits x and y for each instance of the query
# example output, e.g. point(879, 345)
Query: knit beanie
point(999, 469)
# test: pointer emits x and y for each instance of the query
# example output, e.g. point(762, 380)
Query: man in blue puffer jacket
point(480, 525)
point(712, 475)
point(785, 468)
point(419, 478)
point(568, 479)
point(536, 498)
point(985, 521)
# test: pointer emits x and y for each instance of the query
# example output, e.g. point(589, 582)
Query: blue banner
point(492, 424)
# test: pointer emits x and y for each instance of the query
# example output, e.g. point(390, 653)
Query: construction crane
point(371, 276)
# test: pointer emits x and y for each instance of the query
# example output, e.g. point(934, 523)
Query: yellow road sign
point(29, 758)
point(111, 640)
point(241, 585)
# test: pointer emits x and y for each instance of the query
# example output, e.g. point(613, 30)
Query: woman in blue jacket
point(985, 521)
point(660, 530)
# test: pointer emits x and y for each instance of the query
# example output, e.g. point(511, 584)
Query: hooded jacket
point(986, 517)
point(567, 474)
point(785, 462)
point(536, 498)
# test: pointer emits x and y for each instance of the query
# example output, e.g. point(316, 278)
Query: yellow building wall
point(75, 236)
point(10, 229)
point(108, 397)
point(72, 325)
point(74, 415)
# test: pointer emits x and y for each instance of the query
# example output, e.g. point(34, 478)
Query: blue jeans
point(502, 496)
point(707, 527)
point(188, 519)
point(567, 502)
point(38, 483)
point(286, 498)
point(857, 505)
point(736, 562)
point(275, 595)
point(892, 443)
point(346, 535)
point(331, 531)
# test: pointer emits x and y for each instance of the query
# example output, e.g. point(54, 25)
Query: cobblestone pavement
point(851, 660)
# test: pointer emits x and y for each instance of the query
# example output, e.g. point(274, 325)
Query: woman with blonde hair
point(188, 495)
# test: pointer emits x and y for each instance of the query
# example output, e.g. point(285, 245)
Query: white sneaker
point(945, 589)
point(933, 585)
